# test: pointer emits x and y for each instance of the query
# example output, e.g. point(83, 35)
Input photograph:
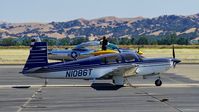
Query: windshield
point(87, 44)
point(95, 45)
point(131, 57)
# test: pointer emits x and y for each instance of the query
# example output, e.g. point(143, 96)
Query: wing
point(125, 71)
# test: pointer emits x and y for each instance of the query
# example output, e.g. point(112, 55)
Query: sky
point(19, 11)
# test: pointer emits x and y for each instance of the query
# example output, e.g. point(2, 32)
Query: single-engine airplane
point(84, 50)
point(108, 66)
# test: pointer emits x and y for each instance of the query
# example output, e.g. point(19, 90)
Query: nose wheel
point(158, 82)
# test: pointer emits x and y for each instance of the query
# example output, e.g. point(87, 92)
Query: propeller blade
point(175, 62)
point(138, 49)
point(174, 52)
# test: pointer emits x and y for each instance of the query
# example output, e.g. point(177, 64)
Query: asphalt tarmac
point(179, 93)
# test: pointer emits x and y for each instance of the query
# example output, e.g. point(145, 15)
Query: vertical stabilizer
point(37, 57)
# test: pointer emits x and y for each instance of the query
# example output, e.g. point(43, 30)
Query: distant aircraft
point(116, 66)
point(84, 50)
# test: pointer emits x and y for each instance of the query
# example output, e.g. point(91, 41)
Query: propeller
point(174, 56)
point(138, 51)
point(175, 61)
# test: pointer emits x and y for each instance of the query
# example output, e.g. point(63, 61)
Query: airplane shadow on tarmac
point(105, 86)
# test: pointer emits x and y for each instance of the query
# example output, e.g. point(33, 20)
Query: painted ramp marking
point(29, 100)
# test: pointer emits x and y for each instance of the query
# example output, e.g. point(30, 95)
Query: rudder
point(37, 57)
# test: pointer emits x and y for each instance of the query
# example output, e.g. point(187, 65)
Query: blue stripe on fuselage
point(149, 62)
point(155, 60)
point(77, 67)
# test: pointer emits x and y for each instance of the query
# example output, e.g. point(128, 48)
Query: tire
point(158, 82)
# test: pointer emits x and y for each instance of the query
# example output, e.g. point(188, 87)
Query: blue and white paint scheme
point(109, 66)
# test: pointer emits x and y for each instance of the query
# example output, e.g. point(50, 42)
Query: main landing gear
point(118, 80)
point(158, 82)
point(45, 82)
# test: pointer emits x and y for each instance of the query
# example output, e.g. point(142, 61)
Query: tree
point(76, 41)
point(167, 40)
point(23, 41)
point(173, 39)
point(142, 41)
point(124, 41)
point(8, 41)
point(132, 40)
point(153, 42)
point(50, 41)
point(182, 41)
point(26, 41)
point(113, 40)
point(63, 41)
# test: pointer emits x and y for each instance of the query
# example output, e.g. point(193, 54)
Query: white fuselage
point(98, 72)
point(153, 68)
point(87, 73)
